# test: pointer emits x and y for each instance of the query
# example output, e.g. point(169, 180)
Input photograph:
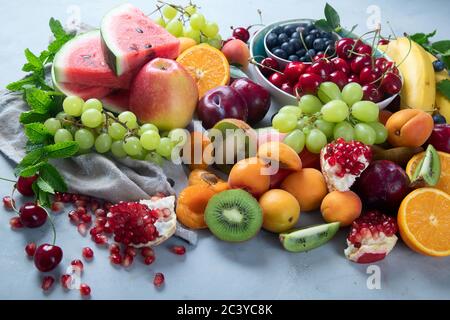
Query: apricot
point(308, 186)
point(186, 43)
point(248, 174)
point(279, 152)
point(207, 179)
point(281, 210)
point(343, 207)
point(200, 153)
point(237, 52)
point(191, 206)
point(409, 128)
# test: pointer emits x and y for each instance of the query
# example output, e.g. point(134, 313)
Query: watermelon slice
point(81, 61)
point(117, 102)
point(131, 39)
point(84, 92)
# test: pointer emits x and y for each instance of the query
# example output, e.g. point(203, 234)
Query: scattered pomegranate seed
point(8, 202)
point(85, 290)
point(47, 283)
point(80, 204)
point(100, 239)
point(73, 216)
point(147, 252)
point(88, 253)
point(30, 249)
point(77, 264)
point(15, 223)
point(87, 218)
point(127, 261)
point(149, 260)
point(65, 280)
point(80, 211)
point(96, 230)
point(130, 251)
point(66, 197)
point(179, 250)
point(100, 221)
point(82, 229)
point(114, 248)
point(107, 228)
point(58, 197)
point(158, 281)
point(115, 258)
point(100, 213)
point(57, 206)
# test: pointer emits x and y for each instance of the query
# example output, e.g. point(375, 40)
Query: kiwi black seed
point(233, 215)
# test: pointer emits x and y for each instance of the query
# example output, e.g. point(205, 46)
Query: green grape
point(178, 137)
point(103, 143)
point(284, 122)
point(306, 130)
point(129, 118)
point(380, 132)
point(161, 21)
point(197, 21)
point(365, 134)
point(194, 34)
point(117, 149)
point(326, 127)
point(175, 27)
point(84, 138)
point(215, 42)
point(344, 130)
point(150, 140)
point(169, 12)
point(191, 10)
point(63, 135)
point(165, 147)
point(291, 109)
point(93, 104)
point(73, 106)
point(154, 158)
point(141, 155)
point(365, 111)
point(132, 146)
point(301, 123)
point(352, 93)
point(117, 131)
point(62, 116)
point(295, 140)
point(147, 127)
point(329, 91)
point(210, 29)
point(310, 104)
point(315, 141)
point(92, 118)
point(52, 125)
point(335, 111)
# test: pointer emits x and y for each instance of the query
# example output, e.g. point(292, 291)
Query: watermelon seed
point(148, 46)
point(139, 30)
point(134, 47)
point(86, 56)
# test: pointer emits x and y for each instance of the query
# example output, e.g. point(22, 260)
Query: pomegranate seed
point(85, 290)
point(100, 221)
point(149, 260)
point(88, 253)
point(96, 230)
point(66, 197)
point(100, 239)
point(87, 218)
point(8, 202)
point(57, 206)
point(130, 251)
point(115, 259)
point(58, 197)
point(30, 249)
point(66, 280)
point(107, 206)
point(147, 252)
point(100, 213)
point(114, 248)
point(82, 229)
point(158, 281)
point(73, 216)
point(80, 211)
point(47, 283)
point(127, 261)
point(15, 223)
point(77, 264)
point(179, 250)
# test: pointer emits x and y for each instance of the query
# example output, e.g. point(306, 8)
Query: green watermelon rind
point(110, 106)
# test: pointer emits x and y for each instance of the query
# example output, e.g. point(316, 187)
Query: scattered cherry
point(32, 215)
point(322, 68)
point(87, 253)
point(47, 257)
point(383, 42)
point(353, 78)
point(47, 283)
point(85, 290)
point(24, 185)
point(158, 281)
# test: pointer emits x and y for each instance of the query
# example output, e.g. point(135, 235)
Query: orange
point(207, 65)
point(444, 181)
point(424, 220)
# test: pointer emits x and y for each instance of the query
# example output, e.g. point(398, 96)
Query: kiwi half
point(428, 172)
point(233, 215)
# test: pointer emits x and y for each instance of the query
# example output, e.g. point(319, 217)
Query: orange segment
point(444, 180)
point(424, 221)
point(207, 65)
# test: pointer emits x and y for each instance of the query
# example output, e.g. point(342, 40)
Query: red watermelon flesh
point(81, 61)
point(131, 39)
point(117, 102)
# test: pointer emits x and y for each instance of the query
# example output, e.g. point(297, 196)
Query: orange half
point(424, 222)
point(207, 65)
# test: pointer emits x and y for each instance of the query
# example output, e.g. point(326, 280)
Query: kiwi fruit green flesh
point(306, 239)
point(428, 171)
point(233, 215)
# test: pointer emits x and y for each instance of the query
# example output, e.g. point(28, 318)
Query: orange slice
point(207, 65)
point(444, 180)
point(424, 222)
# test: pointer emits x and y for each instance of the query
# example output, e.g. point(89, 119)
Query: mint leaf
point(62, 149)
point(37, 132)
point(422, 38)
point(442, 46)
point(32, 159)
point(38, 100)
point(323, 24)
point(44, 198)
point(53, 178)
point(29, 170)
point(56, 28)
point(332, 16)
point(32, 116)
point(18, 85)
point(444, 88)
point(44, 185)
point(34, 63)
point(30, 146)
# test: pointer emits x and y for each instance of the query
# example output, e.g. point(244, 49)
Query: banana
point(442, 103)
point(419, 85)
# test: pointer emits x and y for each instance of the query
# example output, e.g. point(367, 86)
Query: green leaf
point(237, 73)
point(32, 116)
point(444, 88)
point(422, 38)
point(38, 100)
point(44, 198)
point(56, 28)
point(442, 47)
point(37, 132)
point(323, 24)
point(30, 170)
point(18, 85)
point(332, 16)
point(44, 185)
point(30, 146)
point(34, 63)
point(446, 60)
point(53, 177)
point(62, 149)
point(31, 159)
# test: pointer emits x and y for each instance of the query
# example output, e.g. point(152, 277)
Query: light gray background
point(258, 269)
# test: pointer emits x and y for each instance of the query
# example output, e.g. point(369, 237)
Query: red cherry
point(241, 34)
point(364, 49)
point(323, 68)
point(381, 63)
point(309, 82)
point(287, 87)
point(340, 78)
point(294, 70)
point(359, 63)
point(391, 83)
point(32, 215)
point(319, 57)
point(383, 42)
point(343, 48)
point(24, 185)
point(369, 75)
point(353, 78)
point(372, 93)
point(277, 79)
point(341, 65)
point(271, 63)
point(47, 257)
point(297, 90)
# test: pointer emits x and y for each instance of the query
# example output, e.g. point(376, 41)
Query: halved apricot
point(191, 206)
point(281, 153)
point(207, 179)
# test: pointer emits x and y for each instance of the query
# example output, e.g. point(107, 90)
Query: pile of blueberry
point(300, 42)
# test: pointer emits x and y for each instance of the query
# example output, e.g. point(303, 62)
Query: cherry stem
point(253, 61)
point(13, 202)
point(7, 180)
point(52, 223)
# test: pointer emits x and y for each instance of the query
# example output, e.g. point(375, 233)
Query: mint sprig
point(440, 49)
point(444, 88)
point(332, 21)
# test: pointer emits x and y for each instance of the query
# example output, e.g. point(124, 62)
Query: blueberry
point(438, 65)
point(283, 37)
point(280, 53)
point(329, 43)
point(319, 44)
point(326, 35)
point(288, 48)
point(275, 48)
point(296, 44)
point(278, 30)
point(311, 53)
point(439, 119)
point(300, 53)
point(315, 33)
point(295, 35)
point(309, 27)
point(293, 58)
point(305, 59)
point(302, 30)
point(272, 40)
point(289, 29)
point(309, 39)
